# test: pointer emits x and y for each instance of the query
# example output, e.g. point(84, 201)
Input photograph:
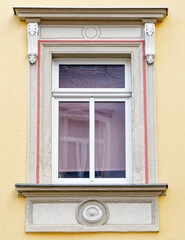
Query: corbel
point(149, 33)
point(33, 31)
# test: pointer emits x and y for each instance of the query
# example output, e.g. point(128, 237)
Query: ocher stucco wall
point(170, 89)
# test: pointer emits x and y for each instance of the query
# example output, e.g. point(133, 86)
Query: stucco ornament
point(150, 59)
point(92, 213)
point(32, 42)
point(150, 28)
point(32, 58)
point(150, 42)
point(32, 28)
point(91, 32)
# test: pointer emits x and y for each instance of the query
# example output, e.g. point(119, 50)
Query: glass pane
point(91, 76)
point(110, 140)
point(73, 140)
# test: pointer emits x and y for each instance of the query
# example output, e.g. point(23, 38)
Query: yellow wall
point(170, 88)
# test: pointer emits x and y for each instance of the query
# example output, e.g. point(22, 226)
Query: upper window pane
point(91, 76)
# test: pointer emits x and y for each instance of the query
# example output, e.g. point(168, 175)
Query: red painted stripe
point(38, 97)
point(38, 116)
point(145, 116)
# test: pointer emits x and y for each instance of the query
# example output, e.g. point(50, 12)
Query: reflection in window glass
point(73, 140)
point(91, 76)
point(110, 140)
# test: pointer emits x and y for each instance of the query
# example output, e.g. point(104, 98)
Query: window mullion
point(91, 139)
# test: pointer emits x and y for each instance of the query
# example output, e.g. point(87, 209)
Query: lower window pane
point(73, 140)
point(110, 140)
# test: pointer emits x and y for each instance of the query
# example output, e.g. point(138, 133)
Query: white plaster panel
point(121, 33)
point(130, 213)
point(82, 32)
point(61, 32)
point(59, 214)
point(54, 213)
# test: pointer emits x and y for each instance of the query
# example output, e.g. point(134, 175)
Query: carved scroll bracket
point(149, 32)
point(32, 41)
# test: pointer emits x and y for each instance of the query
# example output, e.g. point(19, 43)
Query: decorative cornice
point(91, 13)
point(56, 190)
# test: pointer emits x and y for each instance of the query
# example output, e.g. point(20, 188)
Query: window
point(92, 125)
point(92, 120)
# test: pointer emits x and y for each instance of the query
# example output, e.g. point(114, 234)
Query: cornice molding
point(91, 13)
point(56, 190)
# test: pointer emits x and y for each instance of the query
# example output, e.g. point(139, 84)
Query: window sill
point(58, 208)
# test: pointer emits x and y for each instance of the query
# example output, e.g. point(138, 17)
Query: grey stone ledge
point(91, 13)
point(57, 190)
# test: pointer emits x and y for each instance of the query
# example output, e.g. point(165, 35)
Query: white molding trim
point(58, 190)
point(149, 31)
point(118, 50)
point(92, 13)
point(32, 30)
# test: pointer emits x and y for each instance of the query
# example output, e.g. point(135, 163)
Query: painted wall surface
point(170, 89)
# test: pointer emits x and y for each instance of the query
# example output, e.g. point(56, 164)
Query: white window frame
point(91, 95)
